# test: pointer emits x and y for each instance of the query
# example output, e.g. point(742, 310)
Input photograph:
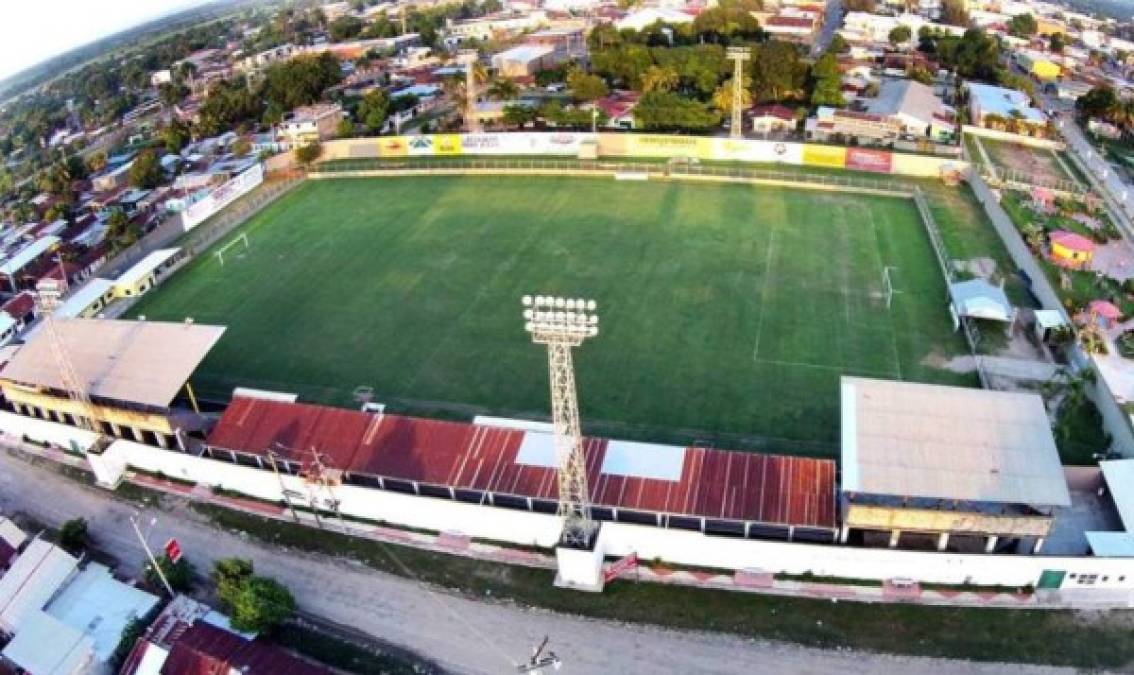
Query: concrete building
point(1004, 109)
point(525, 60)
point(309, 124)
point(648, 16)
point(144, 275)
point(948, 462)
point(107, 357)
point(921, 113)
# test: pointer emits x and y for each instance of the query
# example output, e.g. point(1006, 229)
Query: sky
point(32, 31)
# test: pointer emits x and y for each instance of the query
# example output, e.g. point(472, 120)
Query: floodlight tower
point(739, 55)
point(562, 324)
point(470, 57)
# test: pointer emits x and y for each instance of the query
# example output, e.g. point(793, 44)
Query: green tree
point(502, 89)
point(96, 161)
point(374, 109)
point(920, 74)
point(300, 81)
point(120, 232)
point(146, 171)
point(778, 73)
point(1022, 25)
point(76, 167)
point(241, 147)
point(954, 13)
point(306, 154)
point(668, 111)
point(657, 78)
point(345, 28)
point(1056, 43)
point(518, 115)
point(260, 604)
point(586, 87)
point(180, 575)
point(722, 97)
point(1101, 102)
point(900, 34)
point(230, 573)
point(826, 82)
point(175, 136)
point(838, 45)
point(73, 535)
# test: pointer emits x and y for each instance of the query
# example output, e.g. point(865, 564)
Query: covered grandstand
point(704, 489)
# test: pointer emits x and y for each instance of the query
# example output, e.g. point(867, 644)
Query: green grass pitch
point(728, 312)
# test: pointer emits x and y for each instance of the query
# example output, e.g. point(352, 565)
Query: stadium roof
point(143, 362)
point(698, 482)
point(146, 266)
point(921, 440)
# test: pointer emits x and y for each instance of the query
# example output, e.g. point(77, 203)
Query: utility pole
point(319, 476)
point(150, 554)
point(283, 489)
point(563, 324)
point(470, 57)
point(738, 55)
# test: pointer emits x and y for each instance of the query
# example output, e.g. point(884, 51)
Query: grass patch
point(1031, 636)
point(709, 293)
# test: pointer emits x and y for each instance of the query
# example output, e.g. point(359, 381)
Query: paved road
point(1102, 171)
point(464, 635)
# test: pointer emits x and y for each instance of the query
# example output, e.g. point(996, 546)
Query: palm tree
point(657, 78)
point(502, 89)
point(722, 97)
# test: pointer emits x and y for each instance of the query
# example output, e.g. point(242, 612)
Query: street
point(1101, 172)
point(460, 634)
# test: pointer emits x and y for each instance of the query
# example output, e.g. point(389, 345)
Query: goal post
point(242, 238)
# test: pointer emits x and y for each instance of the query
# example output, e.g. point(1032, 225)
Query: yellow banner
point(393, 146)
point(824, 155)
point(447, 144)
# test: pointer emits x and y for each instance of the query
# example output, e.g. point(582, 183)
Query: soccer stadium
point(729, 312)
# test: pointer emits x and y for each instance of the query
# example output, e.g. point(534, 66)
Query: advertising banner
point(650, 145)
point(221, 197)
point(447, 144)
point(522, 143)
point(420, 146)
point(393, 146)
point(824, 155)
point(614, 145)
point(862, 159)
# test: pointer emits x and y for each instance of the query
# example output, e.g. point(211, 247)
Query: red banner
point(619, 566)
point(173, 551)
point(862, 159)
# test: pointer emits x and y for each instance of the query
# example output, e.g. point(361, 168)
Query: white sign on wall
point(221, 197)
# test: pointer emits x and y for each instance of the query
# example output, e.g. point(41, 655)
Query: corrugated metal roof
point(711, 483)
point(922, 440)
point(35, 576)
point(144, 362)
point(27, 254)
point(1119, 475)
point(45, 645)
point(146, 266)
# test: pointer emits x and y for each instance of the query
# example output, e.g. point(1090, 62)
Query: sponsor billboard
point(221, 197)
point(824, 155)
point(393, 146)
point(420, 146)
point(863, 159)
point(652, 145)
point(447, 144)
point(522, 143)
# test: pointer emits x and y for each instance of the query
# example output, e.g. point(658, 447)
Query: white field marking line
point(764, 290)
point(819, 366)
point(890, 312)
point(844, 230)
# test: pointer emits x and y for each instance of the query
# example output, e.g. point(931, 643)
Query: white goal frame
point(241, 238)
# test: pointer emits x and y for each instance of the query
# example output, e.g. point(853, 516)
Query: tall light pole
point(150, 554)
point(562, 324)
point(469, 58)
point(738, 55)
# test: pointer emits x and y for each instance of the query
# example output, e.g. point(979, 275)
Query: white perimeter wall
point(678, 547)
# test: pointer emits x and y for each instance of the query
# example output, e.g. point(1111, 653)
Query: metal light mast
point(562, 324)
point(47, 302)
point(739, 55)
point(469, 57)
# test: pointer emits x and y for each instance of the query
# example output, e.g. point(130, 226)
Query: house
point(525, 60)
point(64, 617)
point(112, 179)
point(21, 307)
point(1038, 65)
point(310, 124)
point(797, 27)
point(1071, 250)
point(913, 105)
point(771, 119)
point(618, 107)
point(832, 124)
point(1004, 109)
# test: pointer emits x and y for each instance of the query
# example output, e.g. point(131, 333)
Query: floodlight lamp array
point(573, 317)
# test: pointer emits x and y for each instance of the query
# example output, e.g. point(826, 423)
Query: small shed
point(979, 299)
point(1047, 321)
point(1070, 249)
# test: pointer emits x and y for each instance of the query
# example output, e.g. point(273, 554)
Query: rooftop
point(698, 482)
point(921, 440)
point(146, 266)
point(144, 362)
point(905, 97)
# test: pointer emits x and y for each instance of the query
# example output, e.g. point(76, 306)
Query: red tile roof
point(773, 110)
point(20, 305)
point(713, 483)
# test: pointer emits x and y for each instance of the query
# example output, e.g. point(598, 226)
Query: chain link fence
point(838, 181)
